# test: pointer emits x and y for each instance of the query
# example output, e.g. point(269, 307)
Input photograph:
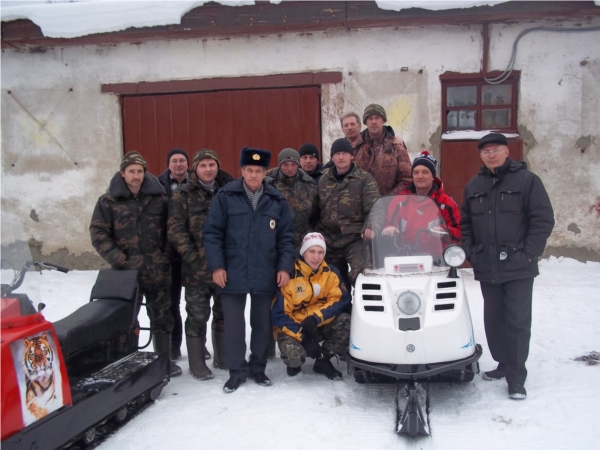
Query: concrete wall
point(61, 137)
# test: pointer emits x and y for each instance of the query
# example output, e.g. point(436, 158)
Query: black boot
point(324, 367)
point(516, 391)
point(232, 384)
point(496, 374)
point(175, 353)
point(198, 368)
point(293, 371)
point(218, 341)
point(162, 344)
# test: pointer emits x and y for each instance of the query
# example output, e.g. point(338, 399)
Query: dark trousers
point(161, 321)
point(177, 332)
point(341, 257)
point(235, 333)
point(507, 321)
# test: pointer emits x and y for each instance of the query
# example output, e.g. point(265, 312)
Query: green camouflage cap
point(132, 157)
point(203, 154)
point(374, 110)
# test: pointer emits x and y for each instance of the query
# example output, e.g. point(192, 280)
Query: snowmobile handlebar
point(20, 275)
point(49, 266)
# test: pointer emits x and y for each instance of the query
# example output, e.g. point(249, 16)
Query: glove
point(313, 349)
point(309, 325)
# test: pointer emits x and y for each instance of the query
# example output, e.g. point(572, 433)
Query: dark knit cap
point(309, 149)
point(204, 154)
point(427, 160)
point(341, 145)
point(492, 138)
point(176, 151)
point(255, 157)
point(374, 110)
point(289, 154)
point(132, 157)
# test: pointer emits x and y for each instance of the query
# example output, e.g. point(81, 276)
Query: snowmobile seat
point(92, 323)
point(112, 311)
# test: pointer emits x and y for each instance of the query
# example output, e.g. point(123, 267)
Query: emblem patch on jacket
point(272, 224)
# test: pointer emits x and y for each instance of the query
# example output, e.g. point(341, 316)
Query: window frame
point(477, 79)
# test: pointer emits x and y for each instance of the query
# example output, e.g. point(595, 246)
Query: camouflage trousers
point(197, 306)
point(161, 319)
point(335, 337)
point(352, 254)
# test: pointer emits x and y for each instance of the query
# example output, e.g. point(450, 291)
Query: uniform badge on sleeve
point(272, 224)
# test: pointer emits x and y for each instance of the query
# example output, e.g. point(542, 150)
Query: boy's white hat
point(312, 239)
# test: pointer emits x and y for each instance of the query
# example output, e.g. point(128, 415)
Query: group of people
point(291, 238)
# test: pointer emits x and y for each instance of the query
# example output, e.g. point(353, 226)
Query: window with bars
point(470, 103)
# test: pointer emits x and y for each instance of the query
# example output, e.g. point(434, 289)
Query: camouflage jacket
point(300, 191)
point(188, 209)
point(345, 205)
point(386, 159)
point(131, 232)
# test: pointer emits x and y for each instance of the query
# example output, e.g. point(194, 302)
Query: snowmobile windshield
point(410, 236)
point(20, 285)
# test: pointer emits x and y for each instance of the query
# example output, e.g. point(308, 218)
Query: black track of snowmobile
point(132, 382)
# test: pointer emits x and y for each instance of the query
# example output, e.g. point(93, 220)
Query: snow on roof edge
point(84, 17)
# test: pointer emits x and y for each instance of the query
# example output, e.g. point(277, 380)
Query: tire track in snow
point(373, 416)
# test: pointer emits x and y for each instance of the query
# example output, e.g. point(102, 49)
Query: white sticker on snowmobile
point(406, 268)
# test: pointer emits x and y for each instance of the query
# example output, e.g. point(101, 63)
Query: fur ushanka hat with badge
point(255, 157)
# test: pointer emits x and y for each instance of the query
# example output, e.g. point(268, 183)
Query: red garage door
point(224, 121)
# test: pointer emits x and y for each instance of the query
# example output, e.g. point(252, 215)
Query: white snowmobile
point(410, 314)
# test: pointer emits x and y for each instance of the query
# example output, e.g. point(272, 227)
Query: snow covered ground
point(311, 412)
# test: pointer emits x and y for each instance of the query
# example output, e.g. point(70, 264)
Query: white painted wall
point(46, 128)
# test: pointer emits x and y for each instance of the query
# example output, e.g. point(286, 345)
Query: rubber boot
point(195, 348)
point(162, 344)
point(218, 341)
point(271, 354)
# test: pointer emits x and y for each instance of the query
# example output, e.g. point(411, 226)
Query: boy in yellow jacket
point(309, 310)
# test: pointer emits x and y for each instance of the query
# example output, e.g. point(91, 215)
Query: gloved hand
point(309, 325)
point(313, 349)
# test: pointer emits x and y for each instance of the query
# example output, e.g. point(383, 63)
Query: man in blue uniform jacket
point(249, 244)
point(506, 218)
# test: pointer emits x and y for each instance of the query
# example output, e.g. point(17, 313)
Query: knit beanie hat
point(312, 239)
point(309, 149)
point(427, 160)
point(176, 151)
point(132, 157)
point(374, 110)
point(203, 154)
point(289, 154)
point(341, 145)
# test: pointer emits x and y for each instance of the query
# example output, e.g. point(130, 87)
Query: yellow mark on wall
point(399, 112)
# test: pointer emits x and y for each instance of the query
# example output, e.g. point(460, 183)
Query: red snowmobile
point(62, 382)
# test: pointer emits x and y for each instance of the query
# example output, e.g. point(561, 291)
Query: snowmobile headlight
point(454, 255)
point(408, 302)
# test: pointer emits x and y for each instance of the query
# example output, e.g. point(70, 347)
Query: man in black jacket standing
point(172, 179)
point(506, 218)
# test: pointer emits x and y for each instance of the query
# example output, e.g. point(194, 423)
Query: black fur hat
point(255, 157)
